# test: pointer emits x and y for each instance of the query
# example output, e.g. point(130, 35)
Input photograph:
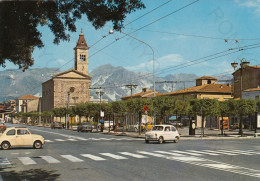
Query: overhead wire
point(247, 47)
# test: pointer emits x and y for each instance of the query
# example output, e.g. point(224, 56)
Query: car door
point(167, 133)
point(24, 137)
point(11, 137)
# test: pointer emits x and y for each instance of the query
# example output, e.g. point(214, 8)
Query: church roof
point(82, 42)
point(71, 70)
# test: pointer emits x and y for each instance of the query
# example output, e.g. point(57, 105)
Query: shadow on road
point(29, 175)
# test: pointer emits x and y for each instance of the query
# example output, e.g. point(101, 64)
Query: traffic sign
point(146, 108)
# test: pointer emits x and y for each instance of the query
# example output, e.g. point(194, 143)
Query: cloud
point(60, 61)
point(251, 4)
point(169, 60)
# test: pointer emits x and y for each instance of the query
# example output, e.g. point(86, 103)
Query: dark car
point(85, 126)
point(55, 125)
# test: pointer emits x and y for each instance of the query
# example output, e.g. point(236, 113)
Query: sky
point(187, 39)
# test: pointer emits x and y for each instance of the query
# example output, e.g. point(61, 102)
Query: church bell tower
point(81, 55)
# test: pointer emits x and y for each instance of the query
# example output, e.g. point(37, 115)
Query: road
point(69, 155)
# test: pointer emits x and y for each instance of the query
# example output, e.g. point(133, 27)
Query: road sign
point(146, 108)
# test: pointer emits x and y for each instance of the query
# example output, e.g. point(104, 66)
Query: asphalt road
point(69, 155)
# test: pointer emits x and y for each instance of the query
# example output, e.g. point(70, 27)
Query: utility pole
point(100, 93)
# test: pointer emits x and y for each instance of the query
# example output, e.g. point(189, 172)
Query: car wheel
point(160, 140)
point(5, 145)
point(176, 140)
point(37, 144)
point(146, 141)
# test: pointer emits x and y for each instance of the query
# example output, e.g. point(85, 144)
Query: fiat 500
point(162, 133)
point(20, 136)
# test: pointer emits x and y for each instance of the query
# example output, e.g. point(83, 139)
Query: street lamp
point(111, 32)
point(71, 90)
point(131, 86)
point(243, 65)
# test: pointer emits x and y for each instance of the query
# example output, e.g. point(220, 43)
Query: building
point(251, 93)
point(250, 77)
point(206, 88)
point(72, 86)
point(27, 103)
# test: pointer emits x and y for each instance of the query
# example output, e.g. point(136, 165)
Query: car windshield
point(157, 128)
point(86, 123)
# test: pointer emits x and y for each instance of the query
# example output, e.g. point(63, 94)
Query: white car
point(20, 136)
point(162, 133)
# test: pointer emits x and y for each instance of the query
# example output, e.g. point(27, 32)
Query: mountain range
point(113, 80)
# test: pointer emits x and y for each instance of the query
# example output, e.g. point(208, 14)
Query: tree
point(204, 107)
point(136, 106)
point(164, 106)
point(59, 112)
point(20, 20)
point(244, 108)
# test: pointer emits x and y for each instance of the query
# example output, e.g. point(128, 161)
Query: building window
point(82, 57)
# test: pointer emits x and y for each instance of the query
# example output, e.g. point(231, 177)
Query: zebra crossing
point(126, 155)
point(194, 157)
point(92, 139)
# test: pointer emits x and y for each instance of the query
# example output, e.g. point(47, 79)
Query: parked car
point(162, 133)
point(85, 126)
point(2, 127)
point(20, 136)
point(57, 125)
point(177, 124)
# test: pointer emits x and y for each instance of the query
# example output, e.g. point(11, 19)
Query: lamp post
point(71, 90)
point(111, 32)
point(131, 86)
point(100, 93)
point(243, 65)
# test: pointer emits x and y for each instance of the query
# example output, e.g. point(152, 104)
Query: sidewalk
point(208, 134)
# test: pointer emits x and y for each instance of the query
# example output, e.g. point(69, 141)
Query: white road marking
point(169, 153)
point(48, 141)
point(133, 155)
point(72, 158)
point(241, 152)
point(188, 158)
point(27, 160)
point(117, 157)
point(50, 159)
point(202, 152)
point(152, 154)
point(93, 157)
point(4, 162)
point(220, 152)
point(71, 139)
point(79, 138)
point(183, 152)
point(222, 166)
point(59, 140)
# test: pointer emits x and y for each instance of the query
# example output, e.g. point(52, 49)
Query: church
point(70, 87)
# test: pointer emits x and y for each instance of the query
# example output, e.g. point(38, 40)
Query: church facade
point(70, 87)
